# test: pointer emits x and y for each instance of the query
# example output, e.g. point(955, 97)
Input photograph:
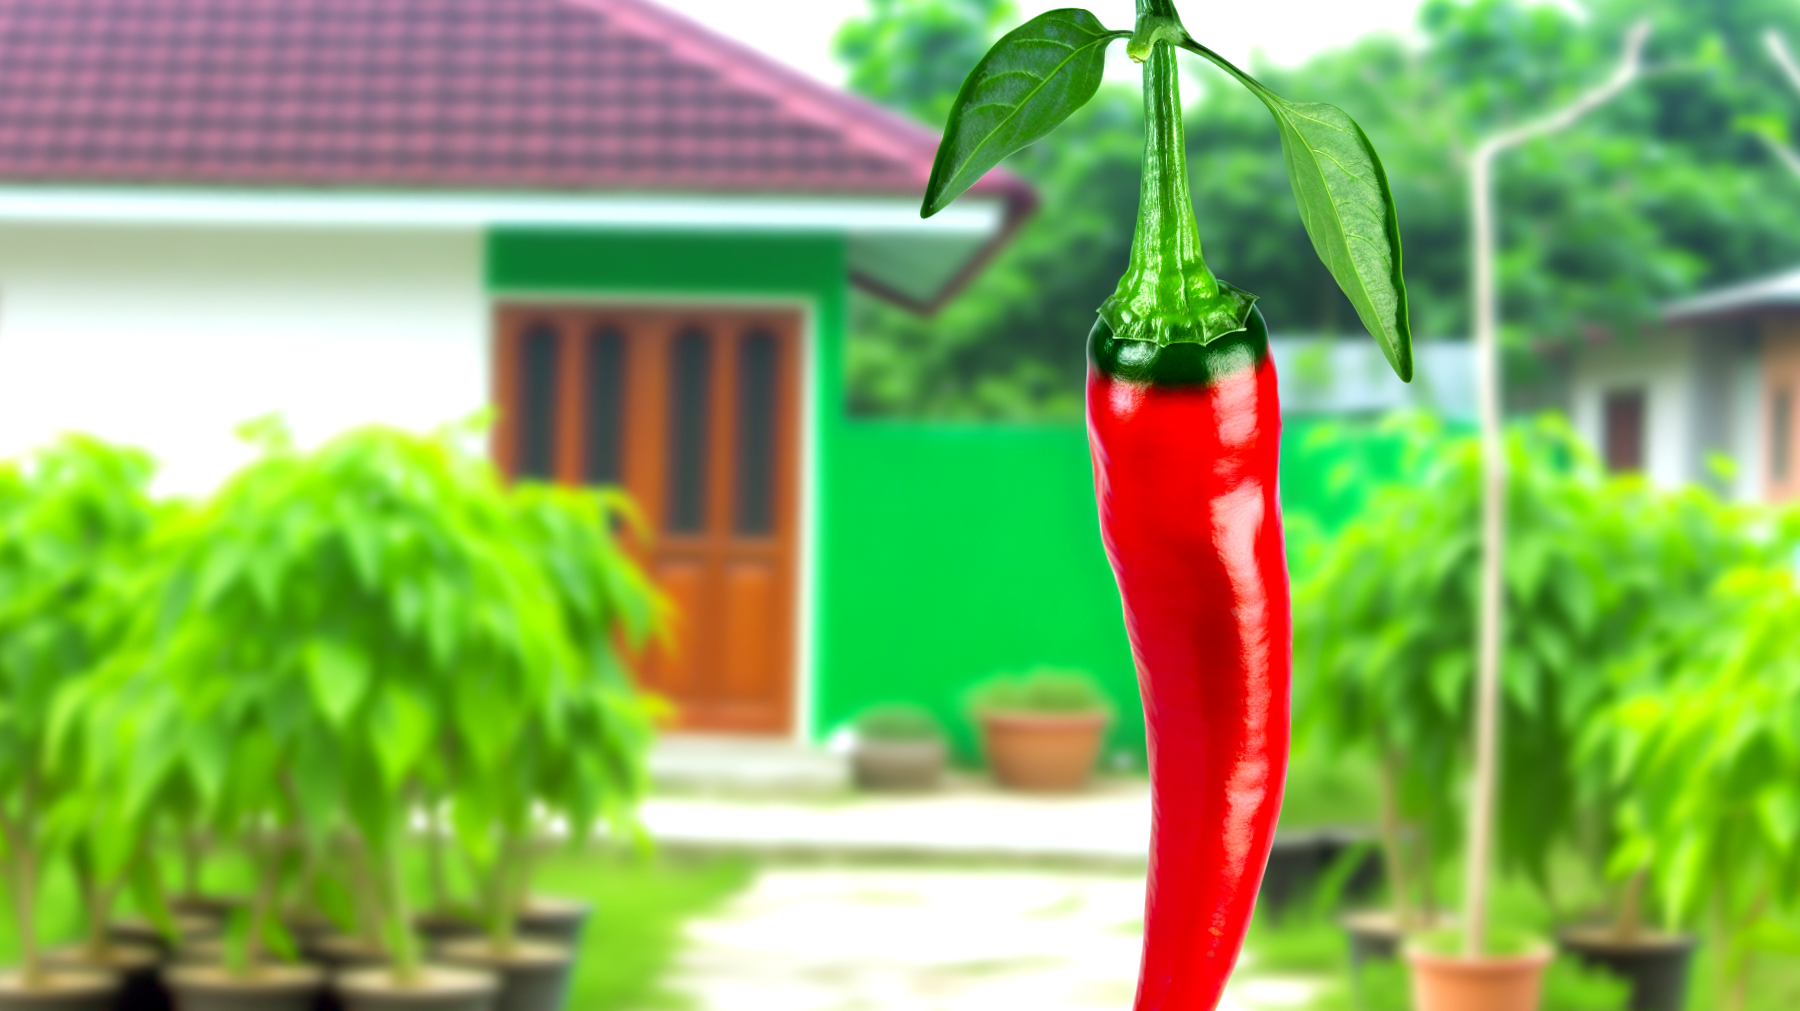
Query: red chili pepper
point(1186, 446)
point(1185, 429)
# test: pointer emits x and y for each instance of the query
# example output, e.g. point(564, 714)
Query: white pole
point(1493, 503)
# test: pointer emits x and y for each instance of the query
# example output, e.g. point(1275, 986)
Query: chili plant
point(1185, 431)
point(574, 753)
point(327, 617)
point(1711, 761)
point(73, 519)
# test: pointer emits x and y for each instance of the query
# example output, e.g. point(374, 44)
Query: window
point(605, 396)
point(690, 421)
point(756, 434)
point(1622, 439)
point(1781, 435)
point(537, 402)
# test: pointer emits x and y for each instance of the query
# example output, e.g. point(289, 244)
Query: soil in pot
point(437, 988)
point(1044, 752)
point(137, 966)
point(534, 975)
point(271, 987)
point(1654, 965)
point(60, 990)
point(898, 765)
point(345, 951)
point(444, 925)
point(1493, 983)
point(138, 930)
point(548, 918)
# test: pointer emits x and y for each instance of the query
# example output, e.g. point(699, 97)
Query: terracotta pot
point(1050, 752)
point(898, 765)
point(549, 918)
point(438, 988)
point(534, 975)
point(60, 990)
point(1499, 983)
point(1655, 965)
point(138, 968)
point(271, 987)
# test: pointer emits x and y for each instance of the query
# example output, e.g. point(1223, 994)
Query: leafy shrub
point(1040, 691)
point(897, 721)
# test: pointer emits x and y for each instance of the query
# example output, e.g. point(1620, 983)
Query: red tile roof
point(449, 94)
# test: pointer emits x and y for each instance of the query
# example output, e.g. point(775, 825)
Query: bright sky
point(798, 32)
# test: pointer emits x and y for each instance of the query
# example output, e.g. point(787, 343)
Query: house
point(634, 237)
point(1708, 398)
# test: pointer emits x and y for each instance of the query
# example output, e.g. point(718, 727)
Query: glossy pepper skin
point(1185, 441)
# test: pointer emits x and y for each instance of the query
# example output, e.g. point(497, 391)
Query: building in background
point(634, 237)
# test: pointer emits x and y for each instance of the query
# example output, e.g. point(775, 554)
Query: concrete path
point(1107, 826)
point(867, 939)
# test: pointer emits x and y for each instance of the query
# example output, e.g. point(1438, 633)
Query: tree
point(912, 54)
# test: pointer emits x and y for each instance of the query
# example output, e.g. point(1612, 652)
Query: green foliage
point(1024, 87)
point(74, 519)
point(1040, 691)
point(1710, 758)
point(897, 721)
point(911, 54)
point(1385, 628)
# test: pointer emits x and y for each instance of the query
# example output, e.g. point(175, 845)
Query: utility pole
point(1493, 454)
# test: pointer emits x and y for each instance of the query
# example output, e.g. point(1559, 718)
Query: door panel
point(695, 412)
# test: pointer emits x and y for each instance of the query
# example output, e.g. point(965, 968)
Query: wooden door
point(695, 413)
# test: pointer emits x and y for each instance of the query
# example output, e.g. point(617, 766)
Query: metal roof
point(1778, 291)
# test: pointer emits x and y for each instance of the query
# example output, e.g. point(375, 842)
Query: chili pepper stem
point(1168, 295)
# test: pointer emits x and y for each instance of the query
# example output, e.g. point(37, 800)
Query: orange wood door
point(695, 412)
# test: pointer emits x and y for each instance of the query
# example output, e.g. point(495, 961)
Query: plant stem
point(1631, 909)
point(401, 948)
point(434, 855)
point(268, 869)
point(1390, 841)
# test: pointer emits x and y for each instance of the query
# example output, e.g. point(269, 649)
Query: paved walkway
point(1107, 826)
point(867, 939)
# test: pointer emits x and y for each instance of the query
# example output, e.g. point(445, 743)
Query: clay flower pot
point(1041, 751)
point(534, 975)
point(270, 987)
point(1655, 965)
point(438, 988)
point(1493, 983)
point(60, 990)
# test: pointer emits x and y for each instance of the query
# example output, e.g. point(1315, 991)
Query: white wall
point(167, 337)
point(1662, 365)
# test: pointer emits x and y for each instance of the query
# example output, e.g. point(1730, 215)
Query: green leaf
point(1347, 207)
point(338, 677)
point(1027, 84)
point(402, 728)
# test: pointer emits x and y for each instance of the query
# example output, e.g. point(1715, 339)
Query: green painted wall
point(944, 553)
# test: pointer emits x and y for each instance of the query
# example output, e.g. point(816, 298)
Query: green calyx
point(1168, 296)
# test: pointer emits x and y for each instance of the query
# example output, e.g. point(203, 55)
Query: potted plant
point(1042, 730)
point(574, 754)
point(362, 604)
point(1711, 761)
point(897, 747)
point(73, 518)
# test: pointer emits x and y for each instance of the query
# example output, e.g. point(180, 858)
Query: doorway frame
point(806, 308)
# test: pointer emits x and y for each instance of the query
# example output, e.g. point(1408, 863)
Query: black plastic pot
point(1374, 934)
point(1367, 877)
point(553, 919)
point(138, 968)
point(338, 952)
point(898, 765)
point(1654, 965)
point(1296, 861)
point(534, 975)
point(438, 988)
point(63, 990)
point(271, 988)
point(140, 931)
point(437, 927)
